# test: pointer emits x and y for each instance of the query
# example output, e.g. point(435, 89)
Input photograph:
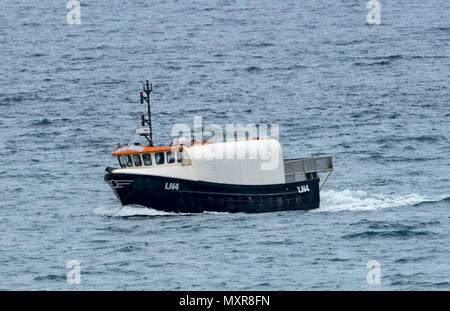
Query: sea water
point(376, 97)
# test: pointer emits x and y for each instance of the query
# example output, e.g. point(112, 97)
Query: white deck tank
point(245, 162)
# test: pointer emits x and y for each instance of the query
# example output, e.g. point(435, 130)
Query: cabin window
point(129, 161)
point(159, 157)
point(170, 157)
point(121, 161)
point(147, 157)
point(179, 156)
point(137, 160)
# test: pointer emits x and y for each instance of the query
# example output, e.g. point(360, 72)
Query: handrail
point(301, 169)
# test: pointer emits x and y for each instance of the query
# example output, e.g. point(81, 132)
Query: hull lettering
point(172, 186)
point(303, 189)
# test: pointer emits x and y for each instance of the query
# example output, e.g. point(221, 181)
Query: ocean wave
point(43, 122)
point(253, 69)
point(50, 277)
point(420, 139)
point(333, 200)
point(388, 234)
point(442, 199)
point(382, 63)
point(394, 225)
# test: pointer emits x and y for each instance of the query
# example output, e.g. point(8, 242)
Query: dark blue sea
point(376, 97)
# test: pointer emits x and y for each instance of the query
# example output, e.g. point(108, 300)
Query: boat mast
point(147, 90)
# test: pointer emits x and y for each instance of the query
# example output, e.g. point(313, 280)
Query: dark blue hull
point(187, 196)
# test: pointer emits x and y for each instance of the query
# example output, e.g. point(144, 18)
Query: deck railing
point(307, 168)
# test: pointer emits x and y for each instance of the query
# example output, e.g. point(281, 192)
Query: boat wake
point(131, 211)
point(142, 211)
point(332, 200)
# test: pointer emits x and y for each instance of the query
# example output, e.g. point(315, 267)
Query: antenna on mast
point(147, 89)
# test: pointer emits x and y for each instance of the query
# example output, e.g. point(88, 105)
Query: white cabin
point(242, 162)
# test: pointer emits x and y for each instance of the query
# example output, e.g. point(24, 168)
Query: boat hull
point(188, 196)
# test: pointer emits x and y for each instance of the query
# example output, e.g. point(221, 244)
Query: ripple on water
point(380, 108)
point(401, 234)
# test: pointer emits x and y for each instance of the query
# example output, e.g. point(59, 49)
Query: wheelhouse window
point(147, 157)
point(170, 157)
point(121, 161)
point(179, 156)
point(159, 158)
point(129, 161)
point(137, 160)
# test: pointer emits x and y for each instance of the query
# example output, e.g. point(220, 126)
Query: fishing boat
point(188, 176)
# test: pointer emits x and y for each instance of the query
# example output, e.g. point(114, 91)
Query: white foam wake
point(137, 210)
point(128, 211)
point(332, 200)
